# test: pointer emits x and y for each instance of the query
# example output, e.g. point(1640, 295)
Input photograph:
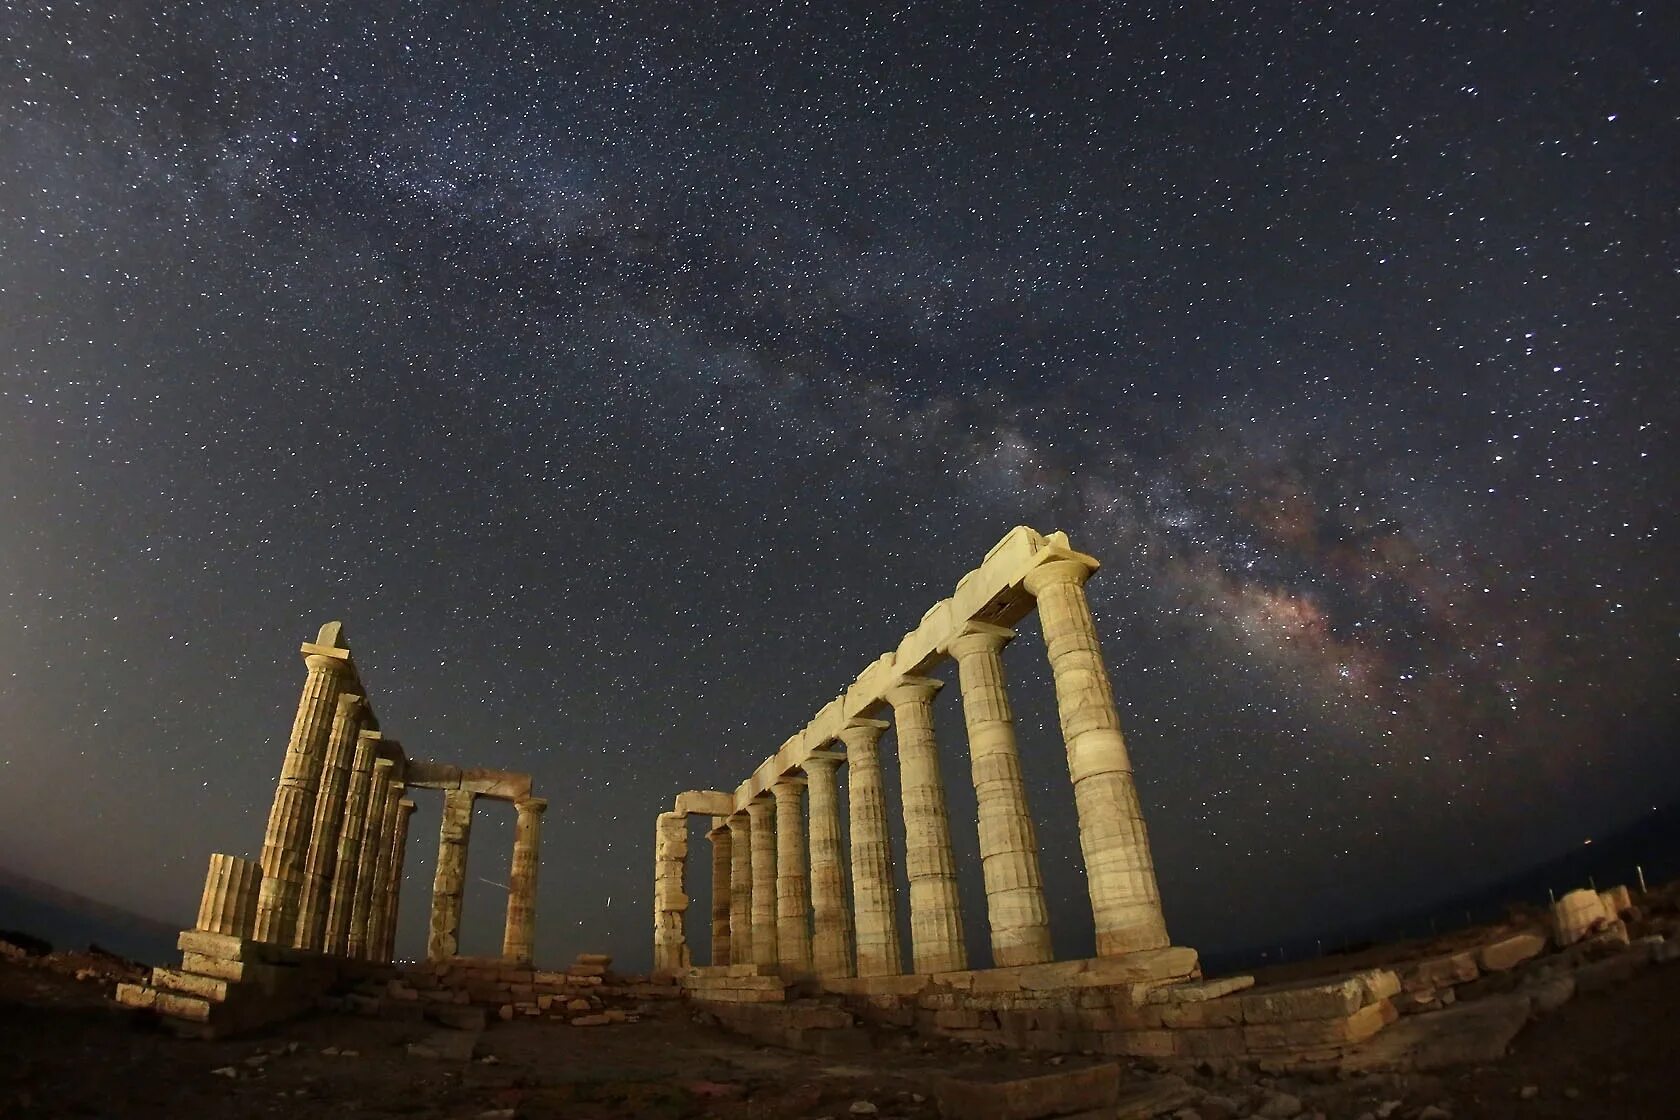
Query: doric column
point(341, 893)
point(764, 944)
point(740, 889)
point(373, 941)
point(286, 842)
point(831, 918)
point(374, 841)
point(229, 903)
point(393, 882)
point(793, 906)
point(519, 935)
point(1020, 922)
point(936, 935)
point(1125, 901)
point(443, 939)
point(322, 857)
point(670, 901)
point(722, 854)
point(874, 904)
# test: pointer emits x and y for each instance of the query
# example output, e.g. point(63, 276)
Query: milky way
point(628, 380)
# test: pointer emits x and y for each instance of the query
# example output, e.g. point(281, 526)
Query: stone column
point(341, 895)
point(518, 937)
point(722, 857)
point(936, 935)
point(393, 882)
point(318, 865)
point(670, 902)
point(793, 906)
point(831, 939)
point(1125, 901)
point(229, 903)
point(764, 944)
point(740, 889)
point(1019, 919)
point(379, 898)
point(374, 841)
point(443, 939)
point(286, 841)
point(874, 904)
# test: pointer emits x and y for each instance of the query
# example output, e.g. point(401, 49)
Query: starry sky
point(629, 377)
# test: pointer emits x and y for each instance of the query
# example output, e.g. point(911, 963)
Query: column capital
point(718, 830)
point(740, 818)
point(383, 766)
point(758, 808)
point(823, 761)
point(787, 785)
point(349, 701)
point(531, 805)
point(861, 734)
point(1064, 570)
point(979, 637)
point(405, 806)
point(912, 690)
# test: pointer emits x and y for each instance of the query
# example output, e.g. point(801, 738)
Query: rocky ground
point(66, 1051)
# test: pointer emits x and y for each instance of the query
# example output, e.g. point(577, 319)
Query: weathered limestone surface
point(936, 935)
point(519, 934)
point(1578, 914)
point(1020, 921)
point(831, 918)
point(449, 881)
point(1120, 873)
point(874, 909)
point(793, 911)
point(286, 841)
point(722, 859)
point(322, 857)
point(764, 943)
point(670, 945)
point(379, 898)
point(367, 863)
point(740, 889)
point(393, 882)
point(341, 895)
point(229, 903)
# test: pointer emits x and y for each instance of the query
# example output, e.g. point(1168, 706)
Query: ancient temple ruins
point(326, 889)
point(778, 894)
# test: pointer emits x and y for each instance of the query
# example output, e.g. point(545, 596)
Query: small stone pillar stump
point(229, 903)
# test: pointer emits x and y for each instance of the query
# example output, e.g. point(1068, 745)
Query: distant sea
point(70, 921)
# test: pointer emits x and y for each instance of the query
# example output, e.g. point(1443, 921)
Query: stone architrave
point(322, 858)
point(286, 840)
point(874, 906)
point(373, 942)
point(393, 882)
point(722, 854)
point(740, 888)
point(831, 917)
point(765, 947)
point(1019, 919)
point(374, 841)
point(936, 935)
point(519, 934)
point(670, 901)
point(793, 908)
point(341, 894)
point(449, 882)
point(1119, 871)
point(229, 903)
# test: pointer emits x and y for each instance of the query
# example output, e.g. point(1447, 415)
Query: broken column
point(874, 903)
point(393, 882)
point(721, 861)
point(764, 944)
point(229, 903)
point(378, 899)
point(315, 898)
point(831, 918)
point(286, 841)
point(519, 935)
point(341, 893)
point(936, 935)
point(670, 902)
point(740, 889)
point(450, 880)
point(1015, 908)
point(367, 862)
point(793, 910)
point(1120, 874)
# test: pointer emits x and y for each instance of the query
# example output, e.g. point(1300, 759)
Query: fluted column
point(670, 901)
point(322, 857)
point(341, 893)
point(1125, 900)
point(874, 905)
point(518, 937)
point(936, 935)
point(722, 854)
point(764, 944)
point(286, 841)
point(831, 918)
point(373, 941)
point(374, 841)
point(793, 906)
point(740, 889)
point(1019, 919)
point(393, 882)
point(229, 903)
point(443, 939)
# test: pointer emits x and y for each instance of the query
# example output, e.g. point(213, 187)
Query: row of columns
point(776, 910)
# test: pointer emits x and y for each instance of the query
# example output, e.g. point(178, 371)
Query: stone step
point(211, 988)
point(174, 1005)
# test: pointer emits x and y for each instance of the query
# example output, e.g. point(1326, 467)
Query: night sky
point(627, 381)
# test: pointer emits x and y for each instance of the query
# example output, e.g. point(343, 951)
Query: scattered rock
point(862, 1108)
point(349, 1053)
point(1387, 1109)
point(256, 1060)
point(1280, 1106)
point(591, 1021)
point(330, 1051)
point(1572, 1093)
point(1432, 1112)
point(225, 1071)
point(1529, 1092)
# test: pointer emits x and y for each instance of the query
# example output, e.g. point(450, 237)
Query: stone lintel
point(706, 802)
point(497, 785)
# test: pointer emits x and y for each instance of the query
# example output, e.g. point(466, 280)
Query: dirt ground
point(65, 1051)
